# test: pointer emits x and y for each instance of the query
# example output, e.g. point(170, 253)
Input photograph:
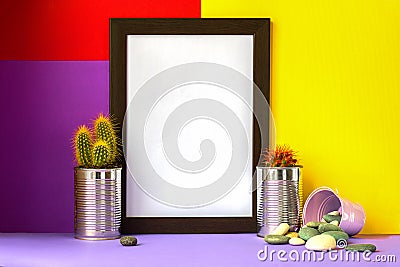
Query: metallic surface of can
point(279, 198)
point(97, 203)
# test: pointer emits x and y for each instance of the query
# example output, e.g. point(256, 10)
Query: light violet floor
point(61, 250)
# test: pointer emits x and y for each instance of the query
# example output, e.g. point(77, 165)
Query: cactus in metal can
point(104, 130)
point(97, 147)
point(83, 145)
point(101, 154)
point(281, 156)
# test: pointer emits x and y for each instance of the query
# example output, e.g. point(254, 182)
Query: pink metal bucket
point(324, 200)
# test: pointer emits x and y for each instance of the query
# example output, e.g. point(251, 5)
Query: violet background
point(42, 103)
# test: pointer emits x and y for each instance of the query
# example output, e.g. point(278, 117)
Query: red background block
point(74, 29)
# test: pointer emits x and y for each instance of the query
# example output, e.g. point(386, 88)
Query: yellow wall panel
point(335, 94)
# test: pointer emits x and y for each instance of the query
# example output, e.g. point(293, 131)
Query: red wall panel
point(74, 29)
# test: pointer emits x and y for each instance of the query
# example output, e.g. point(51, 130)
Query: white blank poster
point(148, 55)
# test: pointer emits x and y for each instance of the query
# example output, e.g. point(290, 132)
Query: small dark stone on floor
point(128, 241)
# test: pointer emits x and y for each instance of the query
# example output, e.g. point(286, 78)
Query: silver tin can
point(279, 198)
point(97, 207)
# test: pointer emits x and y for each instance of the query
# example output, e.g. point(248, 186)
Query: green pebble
point(337, 235)
point(314, 224)
point(330, 218)
point(276, 239)
point(128, 241)
point(328, 227)
point(306, 233)
point(361, 247)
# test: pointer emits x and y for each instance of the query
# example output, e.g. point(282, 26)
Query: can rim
point(291, 167)
point(97, 170)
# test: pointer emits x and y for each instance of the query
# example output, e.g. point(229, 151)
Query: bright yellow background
point(336, 94)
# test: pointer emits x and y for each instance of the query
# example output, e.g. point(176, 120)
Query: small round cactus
point(281, 156)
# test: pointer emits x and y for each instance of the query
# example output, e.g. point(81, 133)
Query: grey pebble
point(330, 218)
point(276, 239)
point(306, 233)
point(314, 224)
point(328, 227)
point(361, 247)
point(128, 241)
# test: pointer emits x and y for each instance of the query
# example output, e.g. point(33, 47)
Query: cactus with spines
point(104, 130)
point(281, 156)
point(83, 146)
point(101, 154)
point(97, 147)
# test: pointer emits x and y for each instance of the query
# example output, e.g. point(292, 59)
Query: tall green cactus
point(104, 130)
point(83, 146)
point(101, 154)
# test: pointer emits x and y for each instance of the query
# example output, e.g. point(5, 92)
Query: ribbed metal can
point(97, 207)
point(279, 198)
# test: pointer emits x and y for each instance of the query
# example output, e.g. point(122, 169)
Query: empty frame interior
point(148, 55)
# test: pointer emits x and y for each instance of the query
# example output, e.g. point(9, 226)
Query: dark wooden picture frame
point(119, 29)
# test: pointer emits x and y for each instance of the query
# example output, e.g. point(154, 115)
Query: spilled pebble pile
point(319, 236)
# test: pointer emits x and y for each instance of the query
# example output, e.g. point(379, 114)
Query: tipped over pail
point(324, 200)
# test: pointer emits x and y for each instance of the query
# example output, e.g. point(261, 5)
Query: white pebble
point(321, 242)
point(282, 229)
point(335, 212)
point(295, 241)
point(335, 223)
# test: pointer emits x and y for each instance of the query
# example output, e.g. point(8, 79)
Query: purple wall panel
point(42, 102)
